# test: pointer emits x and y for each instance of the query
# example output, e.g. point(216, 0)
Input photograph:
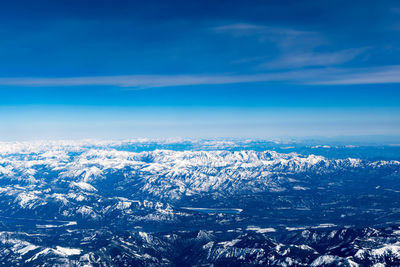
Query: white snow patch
point(84, 186)
point(324, 225)
point(260, 230)
point(68, 251)
point(324, 260)
point(229, 243)
point(300, 188)
point(26, 249)
point(295, 228)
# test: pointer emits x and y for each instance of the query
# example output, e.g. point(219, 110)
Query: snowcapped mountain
point(142, 201)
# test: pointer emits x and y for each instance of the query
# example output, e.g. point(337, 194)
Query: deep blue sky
point(121, 69)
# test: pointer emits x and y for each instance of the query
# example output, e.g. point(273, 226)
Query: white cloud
point(377, 75)
point(297, 47)
point(308, 59)
point(146, 81)
point(321, 76)
point(243, 29)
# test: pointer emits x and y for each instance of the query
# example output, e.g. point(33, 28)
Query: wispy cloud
point(298, 48)
point(312, 59)
point(283, 37)
point(242, 29)
point(321, 76)
point(146, 81)
point(375, 75)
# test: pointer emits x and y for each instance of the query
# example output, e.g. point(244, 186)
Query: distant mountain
point(195, 203)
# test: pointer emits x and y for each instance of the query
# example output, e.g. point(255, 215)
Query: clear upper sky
point(122, 69)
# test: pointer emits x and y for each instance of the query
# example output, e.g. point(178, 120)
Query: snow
point(71, 223)
point(260, 230)
point(229, 243)
point(26, 249)
point(123, 205)
point(321, 146)
point(208, 245)
point(214, 210)
point(145, 237)
point(204, 235)
point(380, 252)
point(84, 186)
point(47, 169)
point(324, 260)
point(56, 226)
point(300, 188)
point(68, 251)
point(87, 211)
point(173, 174)
point(295, 228)
point(46, 226)
point(27, 199)
point(324, 225)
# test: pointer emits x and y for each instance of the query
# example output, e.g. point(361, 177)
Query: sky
point(202, 69)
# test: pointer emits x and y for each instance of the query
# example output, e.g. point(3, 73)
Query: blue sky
point(125, 69)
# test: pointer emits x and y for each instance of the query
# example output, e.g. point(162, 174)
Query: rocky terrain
point(187, 203)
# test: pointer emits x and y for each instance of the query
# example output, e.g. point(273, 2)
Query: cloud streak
point(312, 59)
point(376, 75)
point(297, 47)
point(147, 81)
point(320, 76)
point(297, 53)
point(284, 38)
